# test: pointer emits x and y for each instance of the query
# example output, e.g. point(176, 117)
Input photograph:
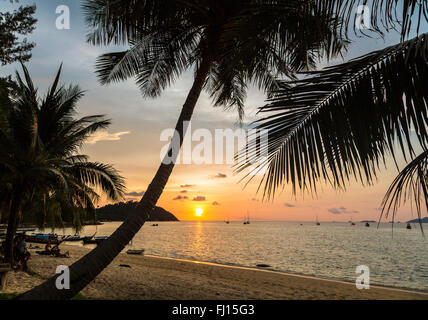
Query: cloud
point(289, 205)
point(104, 135)
point(181, 198)
point(220, 176)
point(215, 203)
point(135, 194)
point(254, 199)
point(187, 185)
point(341, 210)
point(334, 211)
point(199, 198)
point(183, 191)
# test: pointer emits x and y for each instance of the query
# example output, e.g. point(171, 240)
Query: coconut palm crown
point(40, 159)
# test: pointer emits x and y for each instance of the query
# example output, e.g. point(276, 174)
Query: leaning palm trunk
point(12, 226)
point(87, 268)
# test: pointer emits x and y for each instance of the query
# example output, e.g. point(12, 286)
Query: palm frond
point(247, 41)
point(384, 14)
point(155, 60)
point(100, 175)
point(342, 121)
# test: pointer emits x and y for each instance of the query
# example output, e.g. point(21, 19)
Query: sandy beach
point(162, 278)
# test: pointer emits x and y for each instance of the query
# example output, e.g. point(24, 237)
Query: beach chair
point(4, 270)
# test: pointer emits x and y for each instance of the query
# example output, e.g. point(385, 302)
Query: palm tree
point(7, 87)
point(229, 43)
point(39, 159)
point(343, 121)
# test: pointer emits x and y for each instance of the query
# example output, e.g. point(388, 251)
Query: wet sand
point(163, 278)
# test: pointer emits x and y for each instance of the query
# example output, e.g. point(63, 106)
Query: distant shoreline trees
point(119, 211)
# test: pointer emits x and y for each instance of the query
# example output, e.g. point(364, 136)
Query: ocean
point(331, 250)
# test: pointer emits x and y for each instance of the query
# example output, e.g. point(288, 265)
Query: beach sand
point(162, 278)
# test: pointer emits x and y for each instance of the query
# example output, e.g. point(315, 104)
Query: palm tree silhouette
point(230, 44)
point(39, 158)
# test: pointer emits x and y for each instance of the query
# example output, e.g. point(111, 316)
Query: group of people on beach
point(55, 251)
point(22, 255)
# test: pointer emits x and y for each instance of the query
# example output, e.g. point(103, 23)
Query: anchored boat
point(94, 240)
point(135, 251)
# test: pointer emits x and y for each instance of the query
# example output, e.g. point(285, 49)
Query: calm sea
point(331, 250)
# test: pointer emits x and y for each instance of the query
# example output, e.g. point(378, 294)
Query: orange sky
point(133, 146)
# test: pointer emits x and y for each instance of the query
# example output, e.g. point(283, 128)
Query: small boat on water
point(135, 251)
point(45, 238)
point(19, 230)
point(317, 222)
point(408, 226)
point(247, 221)
point(227, 220)
point(94, 240)
point(3, 231)
point(367, 224)
point(77, 237)
point(74, 238)
point(155, 225)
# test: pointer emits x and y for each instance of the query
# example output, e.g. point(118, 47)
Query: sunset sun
point(199, 212)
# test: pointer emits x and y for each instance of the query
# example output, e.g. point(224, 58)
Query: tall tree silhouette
point(39, 155)
point(230, 44)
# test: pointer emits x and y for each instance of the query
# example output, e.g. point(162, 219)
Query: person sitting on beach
point(63, 255)
point(47, 251)
point(55, 251)
point(48, 247)
point(22, 252)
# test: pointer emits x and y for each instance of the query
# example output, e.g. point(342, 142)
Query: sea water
point(397, 258)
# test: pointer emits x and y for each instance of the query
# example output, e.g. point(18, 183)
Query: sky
point(132, 143)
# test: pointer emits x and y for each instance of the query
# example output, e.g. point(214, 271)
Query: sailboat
point(352, 222)
point(318, 223)
point(247, 221)
point(227, 221)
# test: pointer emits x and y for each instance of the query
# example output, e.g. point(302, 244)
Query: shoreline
point(290, 274)
point(286, 273)
point(150, 277)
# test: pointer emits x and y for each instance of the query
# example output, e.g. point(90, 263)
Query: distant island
point(370, 221)
point(119, 211)
point(423, 220)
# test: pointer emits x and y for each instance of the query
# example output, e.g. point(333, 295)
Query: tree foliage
point(343, 121)
point(14, 25)
point(247, 41)
point(40, 159)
